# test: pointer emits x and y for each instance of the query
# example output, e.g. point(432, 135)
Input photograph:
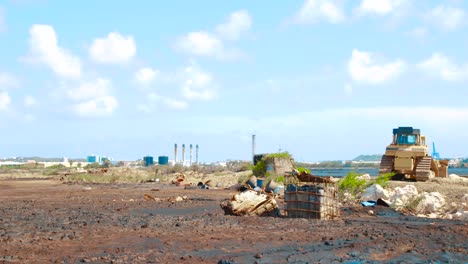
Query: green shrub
point(383, 179)
point(352, 184)
point(259, 169)
point(302, 169)
point(284, 155)
point(280, 179)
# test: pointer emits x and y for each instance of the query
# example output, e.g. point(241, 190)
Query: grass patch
point(281, 155)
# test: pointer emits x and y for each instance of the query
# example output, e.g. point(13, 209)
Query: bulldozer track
point(386, 164)
point(423, 169)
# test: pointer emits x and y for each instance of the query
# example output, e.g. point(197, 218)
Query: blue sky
point(322, 79)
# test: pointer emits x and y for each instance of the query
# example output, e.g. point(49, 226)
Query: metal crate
point(309, 196)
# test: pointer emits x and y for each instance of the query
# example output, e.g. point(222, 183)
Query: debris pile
point(251, 202)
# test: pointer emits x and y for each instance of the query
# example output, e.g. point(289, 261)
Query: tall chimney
point(196, 154)
point(253, 146)
point(175, 153)
point(183, 154)
point(191, 152)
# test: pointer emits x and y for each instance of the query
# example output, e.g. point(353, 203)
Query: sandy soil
point(47, 221)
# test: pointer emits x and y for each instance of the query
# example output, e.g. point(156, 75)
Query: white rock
point(374, 192)
point(430, 202)
point(179, 199)
point(460, 215)
point(457, 178)
point(364, 177)
point(402, 195)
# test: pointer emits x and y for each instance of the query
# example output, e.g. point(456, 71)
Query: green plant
point(352, 184)
point(383, 179)
point(302, 169)
point(284, 155)
point(280, 178)
point(259, 169)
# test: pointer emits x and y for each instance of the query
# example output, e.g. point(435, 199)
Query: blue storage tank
point(148, 161)
point(91, 159)
point(163, 160)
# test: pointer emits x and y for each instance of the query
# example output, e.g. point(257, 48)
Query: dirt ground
point(47, 221)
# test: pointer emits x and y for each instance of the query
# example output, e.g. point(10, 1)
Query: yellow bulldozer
point(408, 157)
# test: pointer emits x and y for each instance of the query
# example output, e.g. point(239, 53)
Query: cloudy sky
point(322, 79)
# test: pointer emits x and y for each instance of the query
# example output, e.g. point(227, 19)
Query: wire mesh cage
point(309, 196)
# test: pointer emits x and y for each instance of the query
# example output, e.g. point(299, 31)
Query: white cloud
point(169, 102)
point(29, 101)
point(313, 11)
point(7, 80)
point(441, 66)
point(88, 90)
point(198, 84)
point(114, 48)
point(238, 22)
point(379, 7)
point(194, 82)
point(96, 107)
point(447, 17)
point(45, 49)
point(210, 44)
point(92, 99)
point(146, 75)
point(5, 101)
point(362, 68)
point(201, 44)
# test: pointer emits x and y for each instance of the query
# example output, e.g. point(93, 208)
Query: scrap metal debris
point(251, 203)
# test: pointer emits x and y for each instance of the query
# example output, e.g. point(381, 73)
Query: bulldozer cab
point(408, 136)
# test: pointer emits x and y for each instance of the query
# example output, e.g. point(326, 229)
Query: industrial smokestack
point(183, 153)
point(191, 152)
point(196, 154)
point(253, 146)
point(175, 153)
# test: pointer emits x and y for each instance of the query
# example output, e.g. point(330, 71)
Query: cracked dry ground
point(44, 221)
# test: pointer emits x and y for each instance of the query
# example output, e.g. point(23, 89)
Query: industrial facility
point(184, 161)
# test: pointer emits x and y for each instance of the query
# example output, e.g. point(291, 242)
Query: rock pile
point(425, 204)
